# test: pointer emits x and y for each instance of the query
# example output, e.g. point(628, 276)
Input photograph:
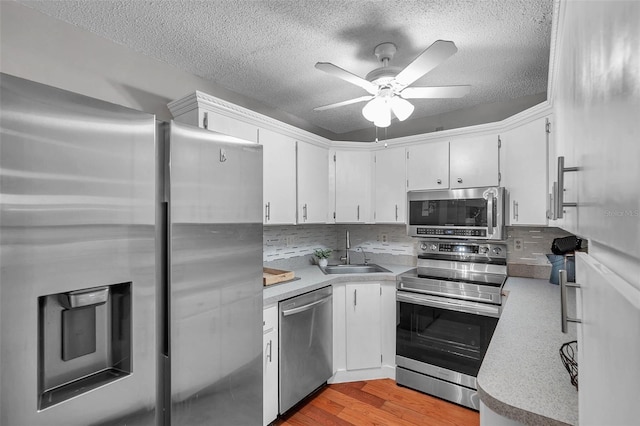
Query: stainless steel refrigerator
point(215, 278)
point(130, 266)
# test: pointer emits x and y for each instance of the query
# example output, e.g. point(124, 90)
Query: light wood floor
point(377, 402)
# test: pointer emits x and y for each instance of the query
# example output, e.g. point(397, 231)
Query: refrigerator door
point(215, 288)
point(77, 259)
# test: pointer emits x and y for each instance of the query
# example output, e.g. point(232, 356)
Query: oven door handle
point(449, 304)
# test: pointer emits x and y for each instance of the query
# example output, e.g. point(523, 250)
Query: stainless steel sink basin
point(369, 268)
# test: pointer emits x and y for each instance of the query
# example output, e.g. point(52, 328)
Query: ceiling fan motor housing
point(385, 51)
point(383, 76)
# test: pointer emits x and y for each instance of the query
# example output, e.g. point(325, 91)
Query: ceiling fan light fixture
point(378, 111)
point(373, 108)
point(401, 107)
point(384, 118)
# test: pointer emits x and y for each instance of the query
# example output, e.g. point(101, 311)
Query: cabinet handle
point(267, 211)
point(355, 297)
point(553, 199)
point(439, 181)
point(270, 344)
point(459, 180)
point(205, 120)
point(304, 212)
point(396, 212)
point(563, 300)
point(490, 219)
point(515, 210)
point(358, 213)
point(560, 204)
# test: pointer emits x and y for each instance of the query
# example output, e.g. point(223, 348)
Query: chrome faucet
point(365, 259)
point(346, 258)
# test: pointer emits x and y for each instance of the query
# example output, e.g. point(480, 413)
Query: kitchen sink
point(369, 268)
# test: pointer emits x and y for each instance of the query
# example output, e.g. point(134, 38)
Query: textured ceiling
point(266, 50)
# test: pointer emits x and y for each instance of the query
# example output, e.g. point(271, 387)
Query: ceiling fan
point(388, 86)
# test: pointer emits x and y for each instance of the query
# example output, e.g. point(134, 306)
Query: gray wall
point(43, 49)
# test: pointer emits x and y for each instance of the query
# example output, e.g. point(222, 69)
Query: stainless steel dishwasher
point(306, 345)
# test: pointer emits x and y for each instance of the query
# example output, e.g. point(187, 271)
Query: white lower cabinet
point(363, 331)
point(270, 364)
point(362, 315)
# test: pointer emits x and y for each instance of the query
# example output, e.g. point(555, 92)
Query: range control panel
point(493, 250)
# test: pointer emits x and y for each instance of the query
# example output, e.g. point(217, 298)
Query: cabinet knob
point(459, 180)
point(439, 181)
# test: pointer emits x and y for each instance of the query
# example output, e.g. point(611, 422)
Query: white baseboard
point(345, 376)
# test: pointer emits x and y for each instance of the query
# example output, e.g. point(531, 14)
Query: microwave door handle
point(490, 219)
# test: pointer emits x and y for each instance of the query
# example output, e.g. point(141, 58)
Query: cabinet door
point(428, 166)
point(211, 120)
point(353, 186)
point(363, 312)
point(313, 183)
point(270, 365)
point(279, 182)
point(390, 186)
point(523, 159)
point(474, 162)
point(608, 345)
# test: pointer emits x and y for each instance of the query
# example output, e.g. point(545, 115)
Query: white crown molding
point(200, 99)
point(557, 26)
point(497, 127)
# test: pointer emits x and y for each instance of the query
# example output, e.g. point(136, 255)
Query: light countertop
point(522, 376)
point(312, 278)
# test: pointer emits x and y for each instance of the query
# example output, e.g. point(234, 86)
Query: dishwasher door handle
point(305, 307)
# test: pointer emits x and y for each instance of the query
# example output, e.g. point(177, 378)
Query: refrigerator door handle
point(305, 307)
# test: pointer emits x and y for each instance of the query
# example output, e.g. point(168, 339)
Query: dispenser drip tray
point(84, 341)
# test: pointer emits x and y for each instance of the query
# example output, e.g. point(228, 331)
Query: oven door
point(443, 338)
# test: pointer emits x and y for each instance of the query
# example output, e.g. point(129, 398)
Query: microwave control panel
point(447, 232)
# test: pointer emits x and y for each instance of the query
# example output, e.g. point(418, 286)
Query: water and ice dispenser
point(84, 341)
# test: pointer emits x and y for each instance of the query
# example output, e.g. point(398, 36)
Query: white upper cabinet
point(353, 175)
point(211, 120)
point(523, 160)
point(563, 148)
point(390, 186)
point(313, 183)
point(474, 162)
point(279, 182)
point(428, 166)
point(229, 126)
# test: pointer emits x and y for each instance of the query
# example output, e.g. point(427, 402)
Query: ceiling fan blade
point(433, 56)
point(343, 103)
point(347, 76)
point(435, 92)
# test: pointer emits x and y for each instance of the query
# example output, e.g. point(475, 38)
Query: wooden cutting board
point(273, 276)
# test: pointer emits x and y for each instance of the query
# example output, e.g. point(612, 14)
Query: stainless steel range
point(447, 311)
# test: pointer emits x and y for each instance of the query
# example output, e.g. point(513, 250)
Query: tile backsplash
point(286, 242)
point(527, 248)
point(534, 242)
point(294, 245)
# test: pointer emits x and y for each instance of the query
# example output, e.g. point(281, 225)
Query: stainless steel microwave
point(470, 213)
